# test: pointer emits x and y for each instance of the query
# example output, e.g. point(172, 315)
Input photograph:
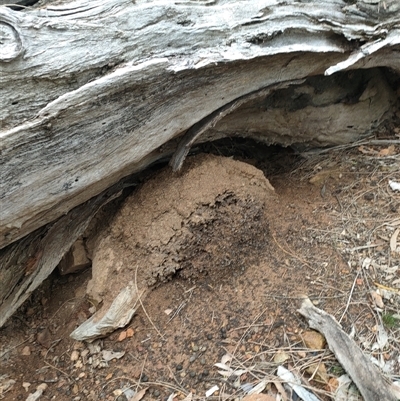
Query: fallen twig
point(366, 376)
point(144, 310)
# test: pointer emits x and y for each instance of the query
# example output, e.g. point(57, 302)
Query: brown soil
point(227, 260)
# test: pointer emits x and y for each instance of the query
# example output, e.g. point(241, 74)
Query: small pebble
point(156, 393)
point(179, 367)
point(192, 358)
point(74, 355)
point(203, 348)
point(144, 378)
point(195, 348)
point(206, 372)
point(182, 374)
point(203, 361)
point(209, 337)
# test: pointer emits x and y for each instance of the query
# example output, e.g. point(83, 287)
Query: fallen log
point(94, 91)
point(79, 115)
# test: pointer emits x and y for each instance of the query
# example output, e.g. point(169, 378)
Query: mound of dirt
point(203, 224)
point(313, 237)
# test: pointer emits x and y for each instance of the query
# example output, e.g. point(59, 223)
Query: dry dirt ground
point(331, 231)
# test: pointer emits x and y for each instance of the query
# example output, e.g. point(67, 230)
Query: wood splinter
point(370, 382)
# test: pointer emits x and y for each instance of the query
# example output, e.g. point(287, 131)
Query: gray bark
point(90, 89)
point(93, 91)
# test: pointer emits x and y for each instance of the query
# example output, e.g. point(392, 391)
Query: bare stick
point(141, 374)
point(59, 370)
point(292, 254)
point(350, 295)
point(144, 310)
point(366, 376)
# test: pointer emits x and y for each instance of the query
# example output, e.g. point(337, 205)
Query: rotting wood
point(365, 375)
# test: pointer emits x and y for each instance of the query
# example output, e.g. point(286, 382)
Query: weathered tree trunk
point(96, 90)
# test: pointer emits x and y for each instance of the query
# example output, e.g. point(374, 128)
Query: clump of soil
point(210, 221)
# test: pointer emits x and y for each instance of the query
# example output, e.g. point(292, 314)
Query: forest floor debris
point(333, 235)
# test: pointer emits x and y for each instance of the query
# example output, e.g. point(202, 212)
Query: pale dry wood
point(49, 246)
point(89, 89)
point(366, 376)
point(93, 91)
point(193, 134)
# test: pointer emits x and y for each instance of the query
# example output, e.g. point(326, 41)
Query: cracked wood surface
point(93, 91)
point(89, 89)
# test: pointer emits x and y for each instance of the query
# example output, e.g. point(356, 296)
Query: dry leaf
point(171, 397)
point(226, 358)
point(367, 151)
point(188, 397)
point(222, 366)
point(110, 355)
point(333, 384)
point(381, 339)
point(314, 340)
point(240, 372)
point(122, 336)
point(211, 391)
point(139, 395)
point(258, 388)
point(395, 186)
point(5, 383)
point(281, 357)
point(377, 298)
point(389, 289)
point(225, 373)
point(294, 382)
point(318, 371)
point(393, 240)
point(258, 397)
point(389, 151)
